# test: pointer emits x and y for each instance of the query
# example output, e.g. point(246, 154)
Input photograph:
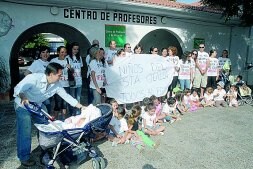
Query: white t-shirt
point(174, 60)
point(213, 68)
point(119, 126)
point(87, 60)
point(221, 95)
point(64, 77)
point(202, 60)
point(38, 66)
point(149, 119)
point(109, 55)
point(222, 61)
point(185, 70)
point(99, 70)
point(128, 54)
point(193, 66)
point(167, 109)
point(208, 97)
point(187, 99)
point(76, 65)
point(194, 98)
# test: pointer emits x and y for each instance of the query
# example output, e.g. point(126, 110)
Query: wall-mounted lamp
point(54, 10)
point(249, 65)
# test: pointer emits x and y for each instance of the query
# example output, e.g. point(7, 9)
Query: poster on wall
point(198, 41)
point(130, 79)
point(116, 33)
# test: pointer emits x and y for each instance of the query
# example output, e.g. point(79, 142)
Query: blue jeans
point(24, 129)
point(76, 93)
point(184, 84)
point(97, 98)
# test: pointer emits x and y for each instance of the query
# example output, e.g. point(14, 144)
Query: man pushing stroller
point(36, 87)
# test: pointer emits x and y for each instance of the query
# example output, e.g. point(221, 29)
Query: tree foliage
point(36, 41)
point(239, 8)
point(4, 76)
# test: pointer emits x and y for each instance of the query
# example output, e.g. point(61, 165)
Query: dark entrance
point(67, 32)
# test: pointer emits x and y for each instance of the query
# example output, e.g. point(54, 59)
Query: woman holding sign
point(185, 71)
point(213, 70)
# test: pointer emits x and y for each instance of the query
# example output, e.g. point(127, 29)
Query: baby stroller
point(244, 95)
point(70, 145)
point(224, 77)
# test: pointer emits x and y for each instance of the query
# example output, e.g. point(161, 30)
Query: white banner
point(133, 78)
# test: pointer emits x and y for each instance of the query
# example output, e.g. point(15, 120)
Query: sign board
point(133, 78)
point(116, 33)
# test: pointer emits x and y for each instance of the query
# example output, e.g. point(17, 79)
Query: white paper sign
point(133, 78)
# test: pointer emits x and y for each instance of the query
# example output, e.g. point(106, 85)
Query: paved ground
point(212, 138)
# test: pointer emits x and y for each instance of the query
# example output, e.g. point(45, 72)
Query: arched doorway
point(161, 38)
point(67, 32)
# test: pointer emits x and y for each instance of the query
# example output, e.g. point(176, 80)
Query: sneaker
point(172, 121)
point(114, 144)
point(28, 163)
point(161, 133)
point(127, 142)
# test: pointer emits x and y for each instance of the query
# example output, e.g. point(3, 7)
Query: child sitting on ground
point(232, 96)
point(133, 125)
point(149, 125)
point(158, 108)
point(114, 105)
point(118, 127)
point(208, 100)
point(195, 102)
point(145, 102)
point(187, 98)
point(219, 95)
point(180, 105)
point(169, 110)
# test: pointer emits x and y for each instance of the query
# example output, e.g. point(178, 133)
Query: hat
point(221, 84)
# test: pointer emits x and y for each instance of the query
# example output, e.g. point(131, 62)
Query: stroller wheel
point(102, 162)
point(248, 101)
point(95, 164)
point(240, 102)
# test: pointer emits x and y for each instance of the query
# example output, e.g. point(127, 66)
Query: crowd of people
point(196, 84)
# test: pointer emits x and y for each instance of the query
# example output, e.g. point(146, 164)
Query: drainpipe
point(249, 52)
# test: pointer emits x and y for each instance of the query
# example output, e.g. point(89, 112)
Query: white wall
point(216, 35)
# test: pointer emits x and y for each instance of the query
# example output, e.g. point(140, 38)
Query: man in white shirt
point(111, 53)
point(127, 49)
point(36, 87)
point(200, 78)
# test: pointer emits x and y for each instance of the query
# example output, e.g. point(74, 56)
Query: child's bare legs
point(161, 117)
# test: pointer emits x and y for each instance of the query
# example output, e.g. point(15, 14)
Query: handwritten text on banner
point(133, 78)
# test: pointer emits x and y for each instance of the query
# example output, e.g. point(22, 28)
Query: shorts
point(200, 81)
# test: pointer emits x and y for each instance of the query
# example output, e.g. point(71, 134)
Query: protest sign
point(133, 78)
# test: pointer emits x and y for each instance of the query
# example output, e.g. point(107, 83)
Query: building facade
point(134, 22)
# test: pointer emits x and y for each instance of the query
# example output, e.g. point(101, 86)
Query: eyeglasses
point(155, 51)
point(129, 47)
point(202, 47)
point(194, 53)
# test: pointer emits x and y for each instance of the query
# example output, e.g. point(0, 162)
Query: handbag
point(71, 77)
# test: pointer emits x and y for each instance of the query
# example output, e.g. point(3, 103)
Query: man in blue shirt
point(36, 87)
